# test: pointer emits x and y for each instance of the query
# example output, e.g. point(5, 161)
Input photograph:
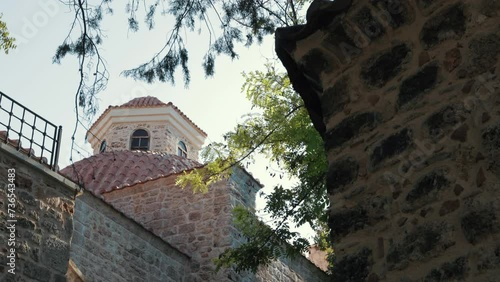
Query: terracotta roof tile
point(109, 171)
point(147, 102)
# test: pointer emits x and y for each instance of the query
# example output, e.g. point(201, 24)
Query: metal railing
point(19, 124)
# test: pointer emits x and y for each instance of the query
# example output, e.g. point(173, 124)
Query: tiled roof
point(147, 102)
point(109, 171)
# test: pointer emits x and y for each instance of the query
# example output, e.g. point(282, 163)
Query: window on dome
point(182, 149)
point(102, 148)
point(140, 140)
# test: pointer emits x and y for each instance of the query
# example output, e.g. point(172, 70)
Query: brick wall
point(408, 95)
point(108, 246)
point(44, 212)
point(163, 138)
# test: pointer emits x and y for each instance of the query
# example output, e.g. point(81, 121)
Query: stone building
point(117, 215)
point(140, 148)
point(406, 97)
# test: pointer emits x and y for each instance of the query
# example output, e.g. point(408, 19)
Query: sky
point(28, 75)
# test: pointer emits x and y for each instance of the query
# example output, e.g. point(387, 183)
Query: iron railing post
point(56, 158)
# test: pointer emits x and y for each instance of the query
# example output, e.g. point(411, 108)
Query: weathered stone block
point(355, 267)
point(59, 278)
point(23, 181)
point(484, 50)
point(347, 221)
point(368, 23)
point(478, 223)
point(453, 58)
point(417, 245)
point(349, 128)
point(341, 173)
point(490, 259)
point(447, 24)
point(55, 254)
point(186, 228)
point(491, 144)
point(449, 271)
point(458, 189)
point(335, 98)
point(381, 68)
point(391, 146)
point(460, 134)
point(442, 121)
point(395, 12)
point(26, 223)
point(316, 62)
point(417, 84)
point(377, 207)
point(448, 207)
point(27, 198)
point(340, 43)
point(35, 271)
point(426, 3)
point(490, 8)
point(423, 58)
point(427, 186)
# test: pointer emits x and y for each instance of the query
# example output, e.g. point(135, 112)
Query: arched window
point(140, 140)
point(102, 148)
point(182, 149)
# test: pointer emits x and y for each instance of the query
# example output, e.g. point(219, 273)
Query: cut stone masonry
point(405, 95)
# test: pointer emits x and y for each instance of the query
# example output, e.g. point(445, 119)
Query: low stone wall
point(44, 206)
point(298, 269)
point(108, 246)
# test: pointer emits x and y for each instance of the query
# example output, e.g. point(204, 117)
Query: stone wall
point(408, 95)
point(108, 246)
point(163, 138)
point(201, 224)
point(298, 269)
point(197, 224)
point(44, 203)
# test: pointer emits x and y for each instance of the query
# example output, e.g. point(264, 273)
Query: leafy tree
point(284, 133)
point(6, 42)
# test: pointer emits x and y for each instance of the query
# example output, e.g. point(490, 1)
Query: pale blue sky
point(28, 75)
